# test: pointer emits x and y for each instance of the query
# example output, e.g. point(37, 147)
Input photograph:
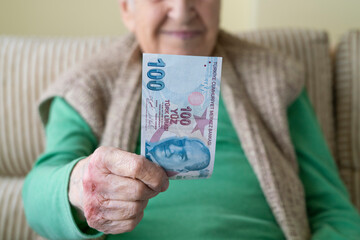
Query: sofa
point(29, 64)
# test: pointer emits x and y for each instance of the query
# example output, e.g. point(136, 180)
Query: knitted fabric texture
point(257, 86)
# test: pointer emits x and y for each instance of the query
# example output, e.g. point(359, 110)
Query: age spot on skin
point(93, 187)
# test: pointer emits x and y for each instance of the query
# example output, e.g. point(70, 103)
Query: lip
point(183, 34)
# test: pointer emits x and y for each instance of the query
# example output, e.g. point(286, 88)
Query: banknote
point(179, 112)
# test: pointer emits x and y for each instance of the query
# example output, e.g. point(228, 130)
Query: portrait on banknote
point(177, 154)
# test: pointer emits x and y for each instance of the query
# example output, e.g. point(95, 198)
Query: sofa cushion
point(27, 66)
point(311, 48)
point(13, 224)
point(347, 88)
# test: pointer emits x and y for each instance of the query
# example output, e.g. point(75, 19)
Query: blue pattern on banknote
point(180, 97)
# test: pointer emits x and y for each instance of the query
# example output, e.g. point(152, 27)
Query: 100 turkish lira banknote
point(180, 98)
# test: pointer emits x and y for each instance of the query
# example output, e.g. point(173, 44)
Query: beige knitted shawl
point(257, 86)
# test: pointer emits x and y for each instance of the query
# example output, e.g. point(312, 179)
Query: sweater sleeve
point(45, 191)
point(330, 212)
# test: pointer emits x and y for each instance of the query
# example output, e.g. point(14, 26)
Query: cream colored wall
point(237, 15)
point(335, 16)
point(60, 17)
point(96, 17)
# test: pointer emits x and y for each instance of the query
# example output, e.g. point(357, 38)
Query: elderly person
point(274, 177)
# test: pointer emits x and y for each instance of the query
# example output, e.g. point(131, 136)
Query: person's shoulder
point(259, 64)
point(106, 62)
point(98, 72)
point(241, 49)
point(90, 82)
point(110, 57)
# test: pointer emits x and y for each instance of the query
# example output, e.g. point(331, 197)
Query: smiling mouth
point(183, 34)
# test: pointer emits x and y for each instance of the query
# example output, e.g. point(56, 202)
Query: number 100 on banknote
point(180, 98)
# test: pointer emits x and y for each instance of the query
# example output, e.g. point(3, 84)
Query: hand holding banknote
point(111, 188)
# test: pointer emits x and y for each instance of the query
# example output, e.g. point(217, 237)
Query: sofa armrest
point(13, 223)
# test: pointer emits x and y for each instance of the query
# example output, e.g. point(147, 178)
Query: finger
point(122, 210)
point(116, 227)
point(126, 189)
point(134, 166)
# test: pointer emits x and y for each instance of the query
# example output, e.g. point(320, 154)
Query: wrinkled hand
point(112, 187)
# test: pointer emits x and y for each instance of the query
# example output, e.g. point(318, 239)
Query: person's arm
point(330, 212)
point(76, 187)
point(45, 192)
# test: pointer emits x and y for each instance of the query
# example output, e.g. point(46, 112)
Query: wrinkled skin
point(111, 188)
point(183, 27)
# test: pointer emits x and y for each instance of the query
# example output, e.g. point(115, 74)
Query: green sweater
point(230, 204)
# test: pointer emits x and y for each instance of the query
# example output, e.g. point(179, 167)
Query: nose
point(182, 11)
